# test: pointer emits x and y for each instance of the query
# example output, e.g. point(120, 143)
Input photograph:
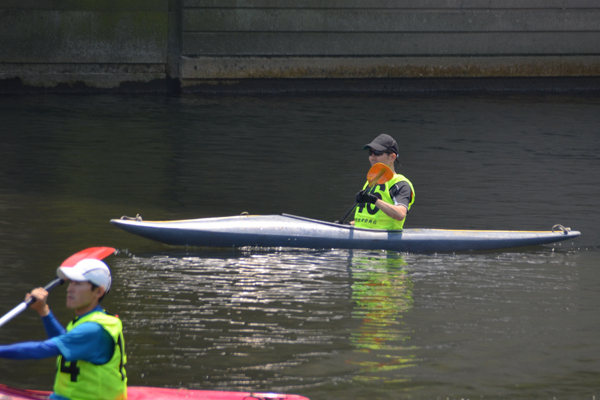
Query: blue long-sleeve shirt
point(87, 341)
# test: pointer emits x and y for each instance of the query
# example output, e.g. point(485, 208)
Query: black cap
point(383, 142)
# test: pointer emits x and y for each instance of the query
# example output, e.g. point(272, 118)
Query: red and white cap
point(91, 270)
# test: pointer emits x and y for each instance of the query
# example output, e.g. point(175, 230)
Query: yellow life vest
point(371, 217)
point(82, 380)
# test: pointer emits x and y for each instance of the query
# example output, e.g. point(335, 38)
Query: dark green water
point(326, 324)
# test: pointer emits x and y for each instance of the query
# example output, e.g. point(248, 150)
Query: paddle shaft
point(23, 306)
point(352, 209)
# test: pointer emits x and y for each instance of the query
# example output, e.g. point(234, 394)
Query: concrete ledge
point(394, 85)
point(82, 78)
point(385, 67)
point(311, 75)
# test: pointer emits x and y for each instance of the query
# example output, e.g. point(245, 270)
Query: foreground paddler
point(384, 206)
point(90, 351)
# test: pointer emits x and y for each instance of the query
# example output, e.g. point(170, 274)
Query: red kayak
point(153, 393)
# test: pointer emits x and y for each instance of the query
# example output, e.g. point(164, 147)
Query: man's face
point(80, 295)
point(381, 157)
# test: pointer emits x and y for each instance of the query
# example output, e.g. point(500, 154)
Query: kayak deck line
point(156, 393)
point(245, 215)
point(139, 218)
point(285, 230)
point(556, 228)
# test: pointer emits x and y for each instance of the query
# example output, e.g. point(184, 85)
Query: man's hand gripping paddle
point(377, 175)
point(97, 253)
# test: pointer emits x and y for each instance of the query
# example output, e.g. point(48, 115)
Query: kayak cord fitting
point(138, 217)
point(560, 228)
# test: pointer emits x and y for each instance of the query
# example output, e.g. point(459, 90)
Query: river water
point(323, 323)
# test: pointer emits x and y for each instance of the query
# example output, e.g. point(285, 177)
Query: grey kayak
point(293, 231)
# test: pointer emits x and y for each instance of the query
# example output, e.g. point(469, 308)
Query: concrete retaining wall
point(268, 45)
point(75, 45)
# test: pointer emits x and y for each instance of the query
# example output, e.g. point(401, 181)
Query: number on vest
point(72, 369)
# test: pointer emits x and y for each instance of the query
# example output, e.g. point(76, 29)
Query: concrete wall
point(388, 39)
point(271, 45)
point(83, 44)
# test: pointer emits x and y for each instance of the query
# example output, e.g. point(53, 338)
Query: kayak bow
point(292, 231)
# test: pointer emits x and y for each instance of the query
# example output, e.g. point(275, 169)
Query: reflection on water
point(265, 320)
point(327, 321)
point(382, 293)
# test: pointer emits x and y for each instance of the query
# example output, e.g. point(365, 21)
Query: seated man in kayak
point(385, 206)
point(90, 351)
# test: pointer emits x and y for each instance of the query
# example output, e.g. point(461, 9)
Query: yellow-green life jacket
point(82, 380)
point(371, 217)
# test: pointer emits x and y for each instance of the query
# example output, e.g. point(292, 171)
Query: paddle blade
point(97, 253)
point(379, 174)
